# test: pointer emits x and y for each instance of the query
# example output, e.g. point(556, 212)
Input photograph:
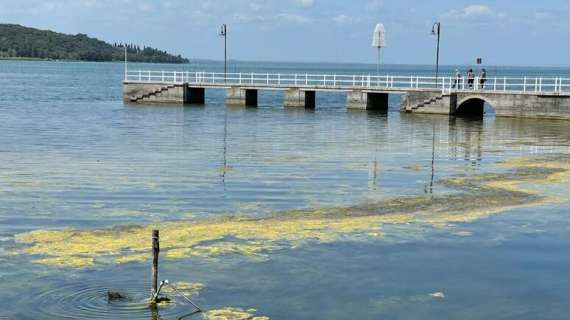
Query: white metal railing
point(342, 81)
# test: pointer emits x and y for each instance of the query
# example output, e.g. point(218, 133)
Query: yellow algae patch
point(480, 196)
point(223, 170)
point(67, 261)
point(232, 314)
point(548, 162)
point(446, 219)
point(415, 167)
point(221, 248)
point(152, 185)
point(186, 288)
point(250, 237)
point(132, 258)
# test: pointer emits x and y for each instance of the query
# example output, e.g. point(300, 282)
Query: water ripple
point(89, 300)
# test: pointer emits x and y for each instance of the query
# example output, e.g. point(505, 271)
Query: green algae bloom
point(478, 197)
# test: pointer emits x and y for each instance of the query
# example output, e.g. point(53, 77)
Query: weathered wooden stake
point(155, 251)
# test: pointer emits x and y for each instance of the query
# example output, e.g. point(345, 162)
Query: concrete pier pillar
point(236, 96)
point(360, 100)
point(195, 95)
point(296, 98)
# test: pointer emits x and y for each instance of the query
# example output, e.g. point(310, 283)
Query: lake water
point(362, 214)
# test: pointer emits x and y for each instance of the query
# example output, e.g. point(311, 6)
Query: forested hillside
point(22, 42)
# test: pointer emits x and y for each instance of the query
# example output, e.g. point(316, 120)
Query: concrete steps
point(425, 103)
point(150, 94)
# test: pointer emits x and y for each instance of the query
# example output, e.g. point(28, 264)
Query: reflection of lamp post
point(429, 189)
point(436, 31)
point(224, 33)
point(432, 161)
point(225, 161)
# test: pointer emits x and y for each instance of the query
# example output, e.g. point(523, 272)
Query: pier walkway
point(547, 97)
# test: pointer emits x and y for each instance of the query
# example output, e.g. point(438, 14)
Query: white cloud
point(475, 10)
point(145, 7)
point(293, 18)
point(305, 3)
point(168, 5)
point(254, 6)
point(248, 18)
point(89, 3)
point(543, 16)
point(374, 5)
point(342, 20)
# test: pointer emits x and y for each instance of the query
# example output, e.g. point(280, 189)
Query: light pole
point(436, 31)
point(379, 41)
point(126, 67)
point(224, 33)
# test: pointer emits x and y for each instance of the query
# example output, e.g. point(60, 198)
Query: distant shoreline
point(246, 62)
point(26, 59)
point(86, 61)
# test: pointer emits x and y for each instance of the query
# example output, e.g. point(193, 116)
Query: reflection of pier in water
point(468, 138)
point(437, 139)
point(472, 140)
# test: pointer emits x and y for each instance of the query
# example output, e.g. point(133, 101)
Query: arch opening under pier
point(473, 107)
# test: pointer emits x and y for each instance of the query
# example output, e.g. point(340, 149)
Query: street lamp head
point(435, 29)
point(223, 30)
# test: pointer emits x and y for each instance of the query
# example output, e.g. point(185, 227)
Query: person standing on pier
point(457, 80)
point(483, 78)
point(470, 78)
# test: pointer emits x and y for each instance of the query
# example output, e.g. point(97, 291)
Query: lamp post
point(436, 31)
point(224, 33)
point(379, 41)
point(126, 67)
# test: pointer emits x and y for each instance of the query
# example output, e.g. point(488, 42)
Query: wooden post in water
point(155, 251)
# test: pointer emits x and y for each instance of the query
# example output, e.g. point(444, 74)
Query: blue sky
point(503, 32)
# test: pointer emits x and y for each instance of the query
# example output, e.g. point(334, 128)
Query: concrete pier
point(531, 97)
point(236, 96)
point(298, 98)
point(361, 100)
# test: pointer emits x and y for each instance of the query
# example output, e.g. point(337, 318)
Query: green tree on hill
point(22, 42)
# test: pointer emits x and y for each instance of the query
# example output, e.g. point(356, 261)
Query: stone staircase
point(152, 93)
point(425, 103)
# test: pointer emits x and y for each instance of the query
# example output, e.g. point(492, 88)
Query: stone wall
point(445, 105)
point(151, 92)
point(522, 105)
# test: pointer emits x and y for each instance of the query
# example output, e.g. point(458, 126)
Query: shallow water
point(73, 156)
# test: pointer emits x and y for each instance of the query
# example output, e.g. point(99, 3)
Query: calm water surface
point(72, 155)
